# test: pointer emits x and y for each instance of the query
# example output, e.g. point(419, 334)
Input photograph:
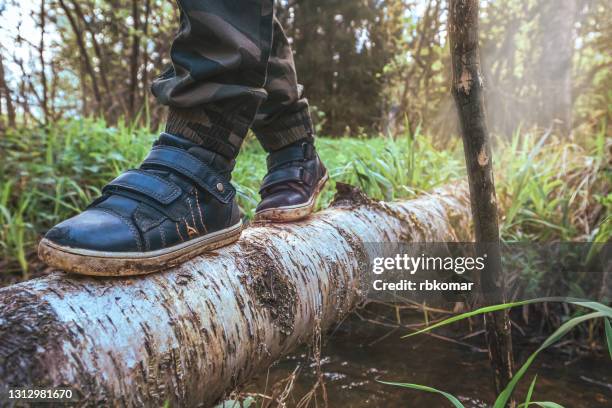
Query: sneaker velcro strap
point(162, 191)
point(191, 167)
point(289, 154)
point(280, 176)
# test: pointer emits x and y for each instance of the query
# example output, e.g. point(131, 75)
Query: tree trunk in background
point(8, 97)
point(192, 333)
point(41, 59)
point(80, 40)
point(145, 60)
point(467, 90)
point(134, 58)
point(102, 65)
point(555, 64)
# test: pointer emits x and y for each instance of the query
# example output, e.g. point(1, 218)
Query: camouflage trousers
point(233, 69)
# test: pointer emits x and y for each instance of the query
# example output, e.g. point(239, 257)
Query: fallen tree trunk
point(192, 333)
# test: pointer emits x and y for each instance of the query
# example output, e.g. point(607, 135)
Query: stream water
point(356, 354)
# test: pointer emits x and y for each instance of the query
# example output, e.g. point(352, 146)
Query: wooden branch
point(192, 333)
point(41, 60)
point(78, 35)
point(145, 55)
point(467, 90)
point(102, 60)
point(8, 97)
point(134, 58)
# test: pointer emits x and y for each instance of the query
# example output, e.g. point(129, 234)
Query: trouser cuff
point(285, 130)
point(210, 128)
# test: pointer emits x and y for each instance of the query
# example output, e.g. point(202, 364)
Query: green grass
point(49, 174)
point(599, 310)
point(548, 190)
point(546, 187)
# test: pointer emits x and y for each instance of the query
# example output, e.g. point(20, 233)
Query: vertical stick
point(87, 64)
point(8, 97)
point(134, 58)
point(467, 90)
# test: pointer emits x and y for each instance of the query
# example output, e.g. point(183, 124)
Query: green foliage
point(344, 41)
point(504, 397)
point(448, 396)
point(366, 64)
point(551, 191)
point(598, 307)
point(600, 311)
point(246, 403)
point(51, 173)
point(530, 391)
point(546, 186)
point(608, 329)
point(384, 168)
point(457, 404)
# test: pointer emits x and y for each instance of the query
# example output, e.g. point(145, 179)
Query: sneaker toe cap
point(281, 199)
point(96, 230)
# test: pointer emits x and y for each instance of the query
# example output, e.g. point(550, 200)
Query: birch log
point(194, 332)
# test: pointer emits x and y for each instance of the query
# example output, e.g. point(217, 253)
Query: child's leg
point(284, 128)
point(217, 80)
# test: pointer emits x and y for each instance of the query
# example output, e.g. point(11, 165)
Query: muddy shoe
point(295, 178)
point(177, 205)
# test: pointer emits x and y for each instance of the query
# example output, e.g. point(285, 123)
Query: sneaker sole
point(291, 213)
point(101, 263)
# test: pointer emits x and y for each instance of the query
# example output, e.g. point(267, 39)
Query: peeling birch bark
point(196, 331)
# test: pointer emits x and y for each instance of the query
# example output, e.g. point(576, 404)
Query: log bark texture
point(196, 331)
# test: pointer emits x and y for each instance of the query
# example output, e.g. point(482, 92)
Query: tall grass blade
point(605, 310)
point(448, 396)
point(608, 335)
point(530, 391)
point(503, 398)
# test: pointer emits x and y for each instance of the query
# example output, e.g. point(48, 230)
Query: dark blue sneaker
point(295, 179)
point(178, 204)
